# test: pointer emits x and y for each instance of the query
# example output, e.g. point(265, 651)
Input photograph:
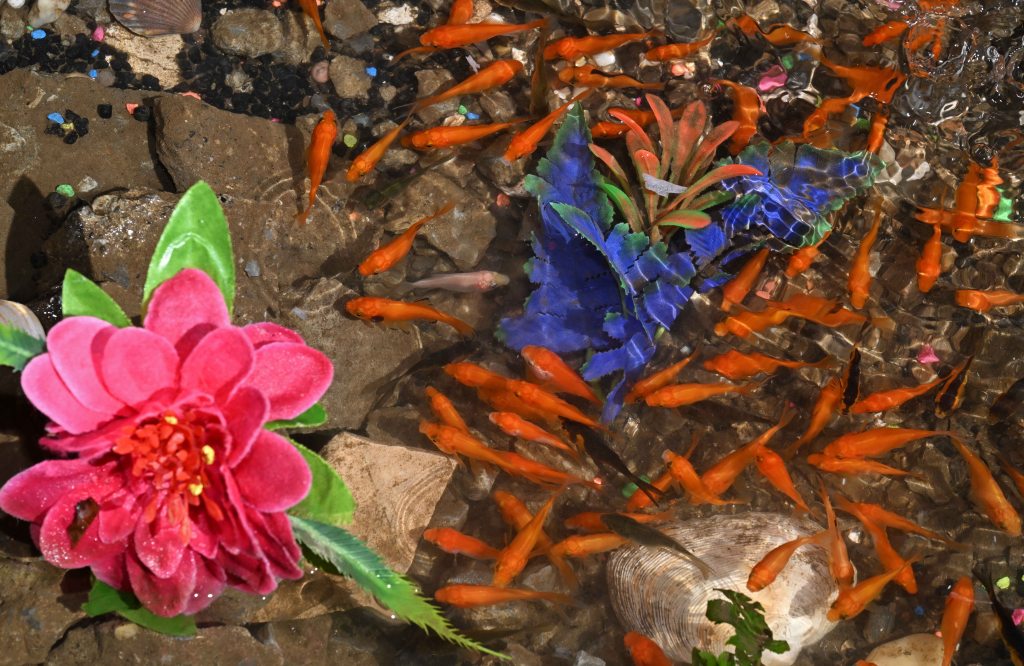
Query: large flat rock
point(115, 154)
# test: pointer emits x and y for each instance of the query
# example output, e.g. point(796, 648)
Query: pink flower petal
point(167, 596)
point(33, 492)
point(137, 363)
point(111, 571)
point(51, 396)
point(119, 515)
point(274, 534)
point(265, 332)
point(159, 546)
point(245, 415)
point(291, 376)
point(274, 476)
point(205, 535)
point(76, 346)
point(247, 573)
point(209, 584)
point(218, 363)
point(55, 539)
point(185, 308)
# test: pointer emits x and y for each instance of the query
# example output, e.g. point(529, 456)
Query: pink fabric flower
point(176, 490)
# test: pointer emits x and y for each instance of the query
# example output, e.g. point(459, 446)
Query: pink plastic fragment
point(194, 95)
point(773, 78)
point(131, 106)
point(99, 33)
point(502, 200)
point(1018, 615)
point(927, 355)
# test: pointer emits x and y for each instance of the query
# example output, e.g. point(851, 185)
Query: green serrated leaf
point(354, 559)
point(80, 296)
point(329, 500)
point(105, 599)
point(312, 417)
point(778, 647)
point(703, 658)
point(17, 347)
point(719, 610)
point(196, 236)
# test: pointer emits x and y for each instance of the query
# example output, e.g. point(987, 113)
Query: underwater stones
point(197, 141)
point(396, 500)
point(350, 78)
point(248, 32)
point(119, 641)
point(430, 82)
point(912, 650)
point(368, 358)
point(156, 56)
point(348, 18)
point(32, 614)
point(464, 234)
point(45, 12)
point(665, 598)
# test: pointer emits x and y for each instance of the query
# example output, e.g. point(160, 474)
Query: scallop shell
point(152, 18)
point(664, 597)
point(20, 317)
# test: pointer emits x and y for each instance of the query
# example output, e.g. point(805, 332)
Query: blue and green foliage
point(798, 187)
point(600, 286)
point(606, 287)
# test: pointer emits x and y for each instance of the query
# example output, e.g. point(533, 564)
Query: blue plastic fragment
point(472, 116)
point(919, 611)
point(56, 117)
point(38, 33)
point(93, 73)
point(372, 71)
point(95, 53)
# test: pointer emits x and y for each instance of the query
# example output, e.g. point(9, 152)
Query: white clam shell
point(665, 598)
point(19, 316)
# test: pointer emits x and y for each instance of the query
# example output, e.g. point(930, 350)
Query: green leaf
point(18, 347)
point(80, 296)
point(312, 417)
point(196, 236)
point(778, 647)
point(329, 500)
point(687, 219)
point(719, 611)
point(104, 599)
point(354, 559)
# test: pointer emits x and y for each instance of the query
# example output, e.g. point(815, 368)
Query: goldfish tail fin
point(565, 571)
point(462, 327)
point(301, 216)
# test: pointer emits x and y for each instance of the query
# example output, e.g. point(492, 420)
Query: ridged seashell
point(665, 598)
point(20, 317)
point(152, 18)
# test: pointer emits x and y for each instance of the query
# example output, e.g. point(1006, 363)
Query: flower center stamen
point(171, 453)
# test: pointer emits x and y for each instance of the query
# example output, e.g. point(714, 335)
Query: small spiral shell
point(665, 598)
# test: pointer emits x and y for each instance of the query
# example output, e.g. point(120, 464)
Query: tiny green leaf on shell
point(196, 236)
point(80, 296)
point(18, 347)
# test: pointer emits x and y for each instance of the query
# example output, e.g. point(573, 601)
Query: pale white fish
point(477, 281)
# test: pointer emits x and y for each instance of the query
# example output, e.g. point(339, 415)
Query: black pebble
point(150, 82)
point(56, 200)
point(70, 138)
point(105, 110)
point(141, 113)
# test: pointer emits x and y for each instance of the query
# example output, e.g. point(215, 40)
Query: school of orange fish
point(531, 409)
